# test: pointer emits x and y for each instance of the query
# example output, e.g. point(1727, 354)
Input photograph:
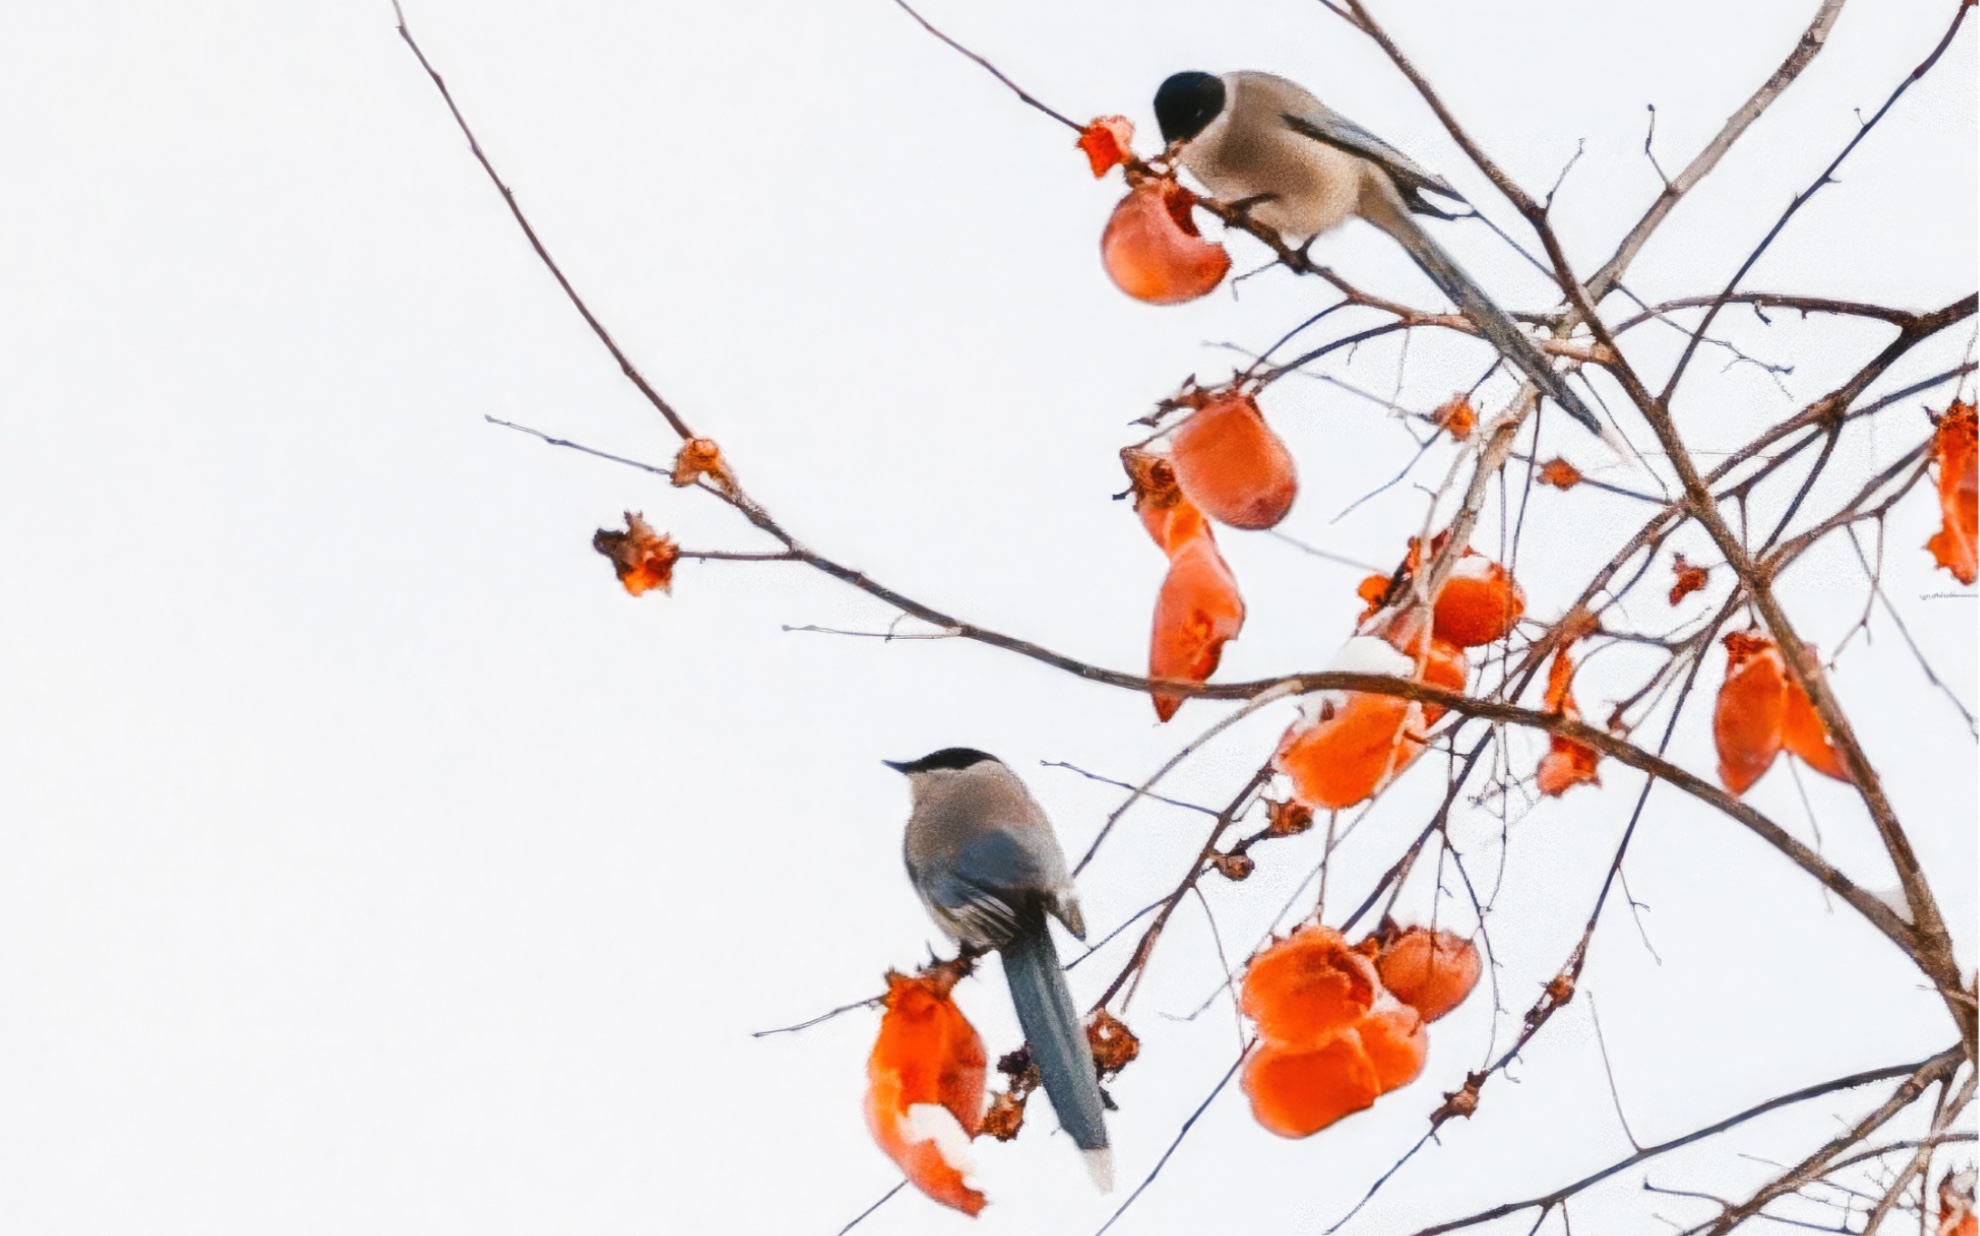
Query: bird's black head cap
point(947, 757)
point(1187, 103)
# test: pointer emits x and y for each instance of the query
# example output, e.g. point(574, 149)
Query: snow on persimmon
point(1479, 603)
point(1349, 744)
point(925, 1094)
point(1230, 463)
point(1152, 250)
point(1107, 143)
point(1430, 971)
point(1958, 462)
point(1197, 611)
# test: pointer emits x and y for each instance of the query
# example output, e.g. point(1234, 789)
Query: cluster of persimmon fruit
point(1338, 1024)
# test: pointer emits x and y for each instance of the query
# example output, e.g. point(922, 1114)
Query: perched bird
point(1304, 168)
point(984, 860)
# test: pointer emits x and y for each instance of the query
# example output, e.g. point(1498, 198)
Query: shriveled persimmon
point(642, 558)
point(1152, 250)
point(1958, 463)
point(1567, 763)
point(1430, 971)
point(925, 1093)
point(1804, 735)
point(1231, 465)
point(1196, 613)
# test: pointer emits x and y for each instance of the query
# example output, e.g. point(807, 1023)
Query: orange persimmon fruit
point(1747, 720)
point(1230, 463)
point(1958, 461)
point(643, 559)
point(1196, 613)
point(1296, 1092)
point(1332, 1039)
point(1430, 971)
point(925, 1095)
point(1106, 143)
point(1152, 250)
point(1308, 987)
point(1479, 602)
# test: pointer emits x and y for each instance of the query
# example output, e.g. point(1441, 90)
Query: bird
point(1302, 168)
point(984, 860)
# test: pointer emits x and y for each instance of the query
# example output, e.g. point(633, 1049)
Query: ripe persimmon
point(1232, 466)
point(1430, 971)
point(1152, 250)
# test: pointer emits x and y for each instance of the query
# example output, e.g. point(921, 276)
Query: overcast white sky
point(369, 862)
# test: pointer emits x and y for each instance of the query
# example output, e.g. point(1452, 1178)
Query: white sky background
point(372, 863)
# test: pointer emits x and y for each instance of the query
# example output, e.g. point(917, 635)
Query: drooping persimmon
point(1567, 763)
point(1479, 603)
point(1231, 465)
point(1958, 462)
point(1747, 720)
point(1308, 987)
point(1152, 250)
point(1430, 971)
point(1106, 142)
point(1196, 613)
point(925, 1094)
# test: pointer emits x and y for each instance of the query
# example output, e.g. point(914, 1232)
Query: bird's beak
point(899, 766)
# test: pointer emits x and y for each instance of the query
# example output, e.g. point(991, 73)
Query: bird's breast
point(1313, 186)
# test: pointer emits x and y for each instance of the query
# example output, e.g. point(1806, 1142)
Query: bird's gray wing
point(992, 887)
point(1324, 124)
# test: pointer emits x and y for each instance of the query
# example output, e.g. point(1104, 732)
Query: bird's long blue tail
point(1058, 1041)
point(1490, 320)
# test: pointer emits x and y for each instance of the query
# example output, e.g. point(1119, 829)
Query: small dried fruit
point(1560, 474)
point(1288, 818)
point(700, 457)
point(1113, 1045)
point(1233, 867)
point(1690, 578)
point(1152, 250)
point(1954, 451)
point(1232, 466)
point(1431, 971)
point(643, 558)
point(1456, 417)
point(924, 1098)
point(1006, 1115)
point(1106, 142)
